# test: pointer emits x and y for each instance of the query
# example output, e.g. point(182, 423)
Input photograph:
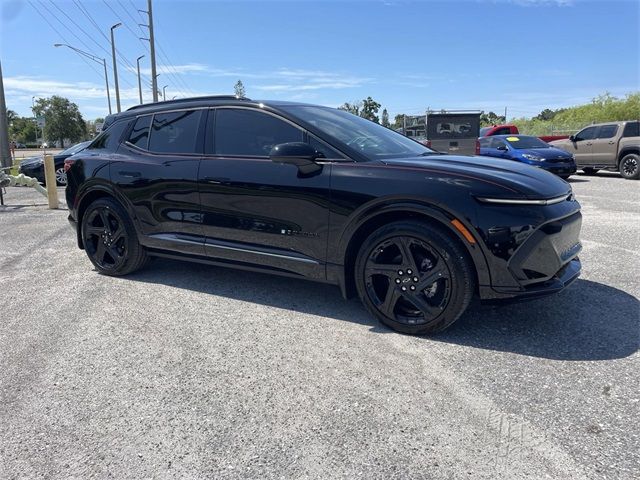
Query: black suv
point(318, 193)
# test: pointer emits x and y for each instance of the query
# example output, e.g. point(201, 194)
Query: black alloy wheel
point(630, 166)
point(414, 277)
point(110, 240)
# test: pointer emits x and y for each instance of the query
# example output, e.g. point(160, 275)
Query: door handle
point(130, 174)
point(611, 143)
point(217, 180)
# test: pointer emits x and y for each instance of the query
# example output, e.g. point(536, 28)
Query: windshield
point(75, 148)
point(523, 143)
point(364, 136)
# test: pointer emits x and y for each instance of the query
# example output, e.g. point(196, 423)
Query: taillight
point(477, 147)
point(67, 164)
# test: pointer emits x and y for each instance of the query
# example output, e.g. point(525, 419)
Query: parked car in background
point(513, 130)
point(34, 166)
point(607, 146)
point(529, 150)
point(315, 192)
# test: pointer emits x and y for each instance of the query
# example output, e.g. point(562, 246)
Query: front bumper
point(561, 169)
point(34, 171)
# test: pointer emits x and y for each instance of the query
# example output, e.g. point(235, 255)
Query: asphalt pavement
point(191, 371)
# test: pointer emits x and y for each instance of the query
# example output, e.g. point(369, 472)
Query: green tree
point(22, 130)
point(385, 118)
point(398, 121)
point(239, 89)
point(488, 119)
point(370, 109)
point(351, 107)
point(11, 116)
point(62, 119)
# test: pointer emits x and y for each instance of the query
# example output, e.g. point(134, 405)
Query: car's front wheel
point(630, 166)
point(110, 239)
point(61, 177)
point(414, 277)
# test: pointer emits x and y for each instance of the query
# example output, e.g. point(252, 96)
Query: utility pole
point(5, 153)
point(115, 66)
point(99, 60)
point(152, 44)
point(33, 110)
point(164, 93)
point(505, 114)
point(139, 83)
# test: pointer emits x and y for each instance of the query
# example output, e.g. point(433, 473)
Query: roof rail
point(189, 99)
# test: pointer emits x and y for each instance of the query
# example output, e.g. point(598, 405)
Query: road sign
point(99, 127)
point(40, 122)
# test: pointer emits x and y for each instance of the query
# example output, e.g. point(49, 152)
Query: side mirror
point(502, 148)
point(294, 153)
point(300, 154)
point(572, 138)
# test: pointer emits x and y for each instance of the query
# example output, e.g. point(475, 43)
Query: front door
point(583, 146)
point(605, 145)
point(256, 211)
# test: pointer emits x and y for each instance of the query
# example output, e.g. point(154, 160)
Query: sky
point(525, 55)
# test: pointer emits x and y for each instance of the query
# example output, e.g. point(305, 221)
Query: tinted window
point(607, 131)
point(586, 134)
point(139, 135)
point(485, 142)
point(252, 133)
point(632, 129)
point(175, 132)
point(496, 142)
point(110, 138)
point(502, 131)
point(324, 149)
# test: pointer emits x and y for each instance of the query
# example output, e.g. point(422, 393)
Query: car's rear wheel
point(630, 166)
point(414, 277)
point(61, 177)
point(110, 239)
point(590, 171)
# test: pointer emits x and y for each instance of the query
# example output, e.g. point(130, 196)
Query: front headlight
point(532, 157)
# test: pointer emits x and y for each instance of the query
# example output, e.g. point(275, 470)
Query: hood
point(546, 153)
point(529, 182)
point(32, 160)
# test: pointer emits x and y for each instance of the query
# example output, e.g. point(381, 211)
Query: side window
point(503, 131)
point(631, 129)
point(139, 135)
point(498, 143)
point(251, 133)
point(607, 131)
point(175, 132)
point(110, 138)
point(324, 149)
point(588, 133)
point(485, 142)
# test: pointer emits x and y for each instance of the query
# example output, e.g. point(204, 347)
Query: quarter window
point(251, 133)
point(110, 138)
point(485, 142)
point(175, 132)
point(139, 135)
point(607, 131)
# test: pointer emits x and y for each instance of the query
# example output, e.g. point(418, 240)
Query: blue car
point(529, 150)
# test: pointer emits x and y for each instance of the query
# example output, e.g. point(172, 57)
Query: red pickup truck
point(513, 130)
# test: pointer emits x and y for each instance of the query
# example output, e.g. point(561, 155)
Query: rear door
point(157, 170)
point(604, 148)
point(256, 211)
point(582, 146)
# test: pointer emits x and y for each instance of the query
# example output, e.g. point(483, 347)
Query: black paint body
point(253, 213)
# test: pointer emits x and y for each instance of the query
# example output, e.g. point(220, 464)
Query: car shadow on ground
point(587, 321)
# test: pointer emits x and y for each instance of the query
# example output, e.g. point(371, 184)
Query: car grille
point(558, 160)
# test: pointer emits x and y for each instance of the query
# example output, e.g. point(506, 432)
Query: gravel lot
point(190, 371)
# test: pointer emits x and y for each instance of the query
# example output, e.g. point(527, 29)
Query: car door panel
point(260, 212)
point(605, 145)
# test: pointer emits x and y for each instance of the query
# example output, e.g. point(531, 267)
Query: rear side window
point(110, 138)
point(631, 129)
point(175, 132)
point(485, 142)
point(607, 131)
point(139, 135)
point(502, 131)
point(588, 133)
point(251, 133)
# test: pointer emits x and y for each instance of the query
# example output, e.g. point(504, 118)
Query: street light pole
point(152, 45)
point(139, 82)
point(164, 93)
point(115, 66)
point(33, 110)
point(99, 60)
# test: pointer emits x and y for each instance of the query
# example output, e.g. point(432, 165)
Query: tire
point(590, 171)
point(422, 303)
point(110, 239)
point(630, 166)
point(61, 177)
